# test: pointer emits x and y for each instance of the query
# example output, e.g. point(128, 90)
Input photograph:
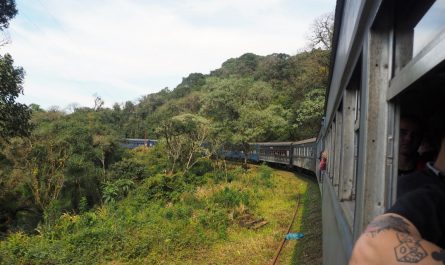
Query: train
point(300, 154)
point(131, 143)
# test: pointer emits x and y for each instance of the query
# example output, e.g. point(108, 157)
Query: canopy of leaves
point(7, 12)
point(14, 116)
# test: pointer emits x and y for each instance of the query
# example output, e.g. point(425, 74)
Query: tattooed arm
point(392, 239)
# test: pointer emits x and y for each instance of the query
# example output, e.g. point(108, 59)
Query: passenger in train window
point(413, 229)
point(410, 138)
point(323, 162)
point(428, 151)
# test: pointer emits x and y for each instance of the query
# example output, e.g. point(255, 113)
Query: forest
point(66, 181)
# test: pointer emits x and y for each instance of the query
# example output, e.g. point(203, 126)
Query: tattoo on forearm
point(439, 256)
point(388, 223)
point(409, 250)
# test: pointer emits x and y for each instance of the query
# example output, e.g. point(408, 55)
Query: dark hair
point(413, 118)
point(437, 125)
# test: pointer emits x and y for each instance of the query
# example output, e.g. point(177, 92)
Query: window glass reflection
point(429, 26)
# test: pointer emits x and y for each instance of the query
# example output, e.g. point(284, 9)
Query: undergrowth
point(163, 220)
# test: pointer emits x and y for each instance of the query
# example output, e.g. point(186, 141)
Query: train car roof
point(135, 139)
point(274, 143)
point(311, 140)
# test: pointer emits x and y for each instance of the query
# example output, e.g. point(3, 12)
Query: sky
point(121, 50)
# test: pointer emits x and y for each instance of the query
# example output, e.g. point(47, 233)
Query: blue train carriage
point(132, 143)
point(275, 152)
point(254, 153)
point(233, 154)
point(304, 154)
point(387, 61)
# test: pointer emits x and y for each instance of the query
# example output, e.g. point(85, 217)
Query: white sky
point(121, 50)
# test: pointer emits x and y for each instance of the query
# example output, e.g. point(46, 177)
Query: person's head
point(324, 154)
point(410, 136)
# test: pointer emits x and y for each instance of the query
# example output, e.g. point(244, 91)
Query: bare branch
point(321, 32)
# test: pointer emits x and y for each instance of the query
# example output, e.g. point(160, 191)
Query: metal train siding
point(387, 61)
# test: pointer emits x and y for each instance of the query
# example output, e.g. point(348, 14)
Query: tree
point(321, 32)
point(242, 109)
point(41, 162)
point(98, 102)
point(14, 116)
point(185, 136)
point(7, 12)
point(309, 113)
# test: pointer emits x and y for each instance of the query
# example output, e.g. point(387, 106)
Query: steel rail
point(277, 254)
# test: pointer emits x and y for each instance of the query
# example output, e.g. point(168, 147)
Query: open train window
point(412, 29)
point(420, 106)
point(429, 27)
point(350, 109)
point(339, 148)
point(330, 150)
point(419, 42)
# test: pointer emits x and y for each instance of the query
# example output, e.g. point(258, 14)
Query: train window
point(331, 155)
point(419, 106)
point(430, 25)
point(419, 41)
point(409, 14)
point(338, 148)
point(349, 111)
point(356, 98)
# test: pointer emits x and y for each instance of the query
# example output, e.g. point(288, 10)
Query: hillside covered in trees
point(279, 95)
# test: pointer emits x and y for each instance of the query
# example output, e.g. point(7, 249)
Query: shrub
point(216, 220)
point(265, 175)
point(230, 198)
point(113, 191)
point(178, 212)
point(202, 167)
point(161, 187)
point(128, 169)
point(194, 180)
point(14, 248)
point(83, 204)
point(220, 175)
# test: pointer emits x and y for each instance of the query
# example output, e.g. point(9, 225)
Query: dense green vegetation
point(172, 220)
point(70, 194)
point(281, 96)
